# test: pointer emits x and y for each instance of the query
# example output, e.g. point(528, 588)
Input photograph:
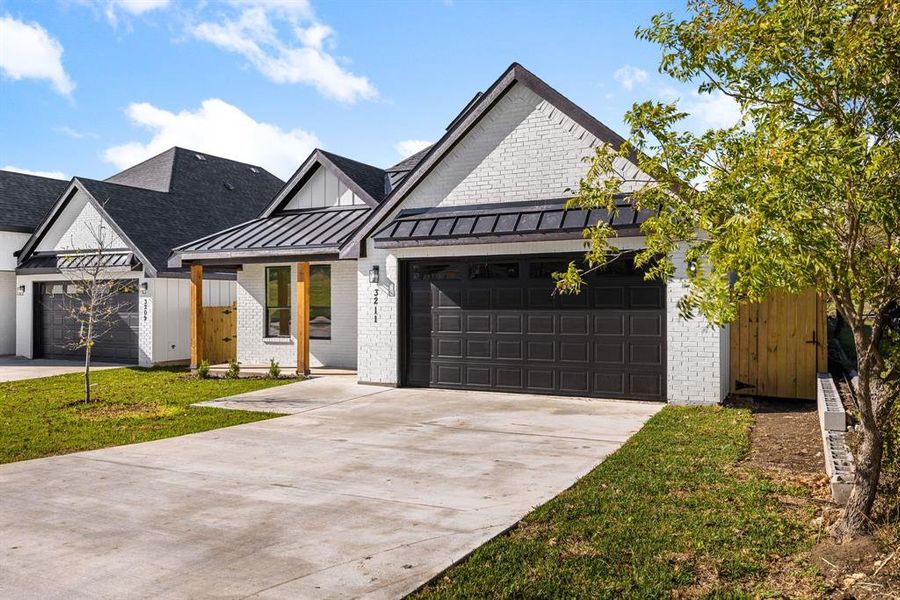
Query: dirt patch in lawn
point(786, 445)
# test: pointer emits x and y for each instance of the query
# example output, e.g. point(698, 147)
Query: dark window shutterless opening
point(494, 271)
point(320, 302)
point(278, 301)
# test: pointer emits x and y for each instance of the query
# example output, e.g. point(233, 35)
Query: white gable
point(322, 190)
point(523, 149)
point(78, 226)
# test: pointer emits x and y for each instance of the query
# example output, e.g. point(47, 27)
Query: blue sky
point(88, 87)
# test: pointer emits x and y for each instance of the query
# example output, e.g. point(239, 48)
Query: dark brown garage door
point(55, 330)
point(497, 325)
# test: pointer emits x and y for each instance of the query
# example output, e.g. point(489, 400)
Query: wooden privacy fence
point(219, 333)
point(777, 346)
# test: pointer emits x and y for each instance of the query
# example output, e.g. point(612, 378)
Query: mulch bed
point(786, 444)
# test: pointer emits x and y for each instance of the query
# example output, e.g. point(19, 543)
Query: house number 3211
point(375, 304)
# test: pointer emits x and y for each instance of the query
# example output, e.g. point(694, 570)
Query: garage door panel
point(479, 348)
point(540, 324)
point(574, 351)
point(56, 333)
point(509, 349)
point(509, 324)
point(646, 384)
point(609, 324)
point(511, 332)
point(610, 384)
point(645, 354)
point(645, 296)
point(540, 350)
point(478, 323)
point(645, 324)
point(609, 353)
point(574, 382)
point(541, 380)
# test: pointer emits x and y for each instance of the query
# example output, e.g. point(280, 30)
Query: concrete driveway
point(364, 492)
point(14, 368)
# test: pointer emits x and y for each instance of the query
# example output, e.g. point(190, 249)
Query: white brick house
point(438, 268)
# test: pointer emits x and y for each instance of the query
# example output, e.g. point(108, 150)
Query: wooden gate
point(777, 346)
point(219, 333)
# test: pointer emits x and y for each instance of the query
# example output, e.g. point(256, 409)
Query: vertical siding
point(322, 190)
point(171, 314)
point(7, 312)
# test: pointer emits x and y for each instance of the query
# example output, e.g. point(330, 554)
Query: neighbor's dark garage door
point(55, 330)
point(497, 325)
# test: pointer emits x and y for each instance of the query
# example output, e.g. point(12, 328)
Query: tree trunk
point(857, 514)
point(87, 362)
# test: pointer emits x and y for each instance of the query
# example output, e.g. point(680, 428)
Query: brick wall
point(523, 149)
point(254, 349)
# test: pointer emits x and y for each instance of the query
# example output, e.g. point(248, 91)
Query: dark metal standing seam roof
point(534, 220)
point(321, 229)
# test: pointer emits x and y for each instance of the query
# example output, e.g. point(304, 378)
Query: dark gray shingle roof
point(26, 199)
point(369, 178)
point(198, 204)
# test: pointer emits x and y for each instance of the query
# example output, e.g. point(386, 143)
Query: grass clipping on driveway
point(671, 514)
point(47, 416)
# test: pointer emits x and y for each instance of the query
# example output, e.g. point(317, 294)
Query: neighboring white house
point(24, 200)
point(436, 272)
point(142, 212)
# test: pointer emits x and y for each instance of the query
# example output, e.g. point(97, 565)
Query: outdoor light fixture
point(373, 274)
point(144, 286)
point(20, 290)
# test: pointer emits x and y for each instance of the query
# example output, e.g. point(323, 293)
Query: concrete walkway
point(14, 368)
point(367, 495)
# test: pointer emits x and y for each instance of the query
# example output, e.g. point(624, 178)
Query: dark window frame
point(277, 307)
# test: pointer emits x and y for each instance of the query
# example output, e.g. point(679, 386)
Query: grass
point(672, 513)
point(46, 416)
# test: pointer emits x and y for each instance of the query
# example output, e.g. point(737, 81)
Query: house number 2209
point(375, 304)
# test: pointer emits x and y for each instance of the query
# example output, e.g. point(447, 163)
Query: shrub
point(203, 369)
point(274, 369)
point(234, 369)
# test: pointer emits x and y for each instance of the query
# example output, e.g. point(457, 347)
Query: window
point(320, 302)
point(494, 271)
point(278, 301)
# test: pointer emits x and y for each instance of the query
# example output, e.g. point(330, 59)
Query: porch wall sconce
point(20, 290)
point(373, 274)
point(144, 287)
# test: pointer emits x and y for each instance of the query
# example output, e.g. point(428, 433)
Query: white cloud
point(217, 128)
point(627, 76)
point(132, 7)
point(50, 174)
point(713, 110)
point(303, 57)
point(27, 51)
point(74, 133)
point(410, 147)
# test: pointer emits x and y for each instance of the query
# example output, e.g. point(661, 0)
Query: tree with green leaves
point(803, 192)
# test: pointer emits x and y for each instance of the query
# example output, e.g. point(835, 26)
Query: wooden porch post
point(303, 319)
point(196, 309)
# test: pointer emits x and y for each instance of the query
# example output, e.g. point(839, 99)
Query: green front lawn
point(43, 417)
point(671, 514)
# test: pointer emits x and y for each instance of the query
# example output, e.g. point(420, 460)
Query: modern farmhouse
point(437, 271)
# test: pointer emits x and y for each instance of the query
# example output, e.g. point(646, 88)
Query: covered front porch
point(295, 298)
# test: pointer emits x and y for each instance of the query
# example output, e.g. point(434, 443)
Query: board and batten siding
point(166, 306)
point(323, 189)
point(10, 242)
